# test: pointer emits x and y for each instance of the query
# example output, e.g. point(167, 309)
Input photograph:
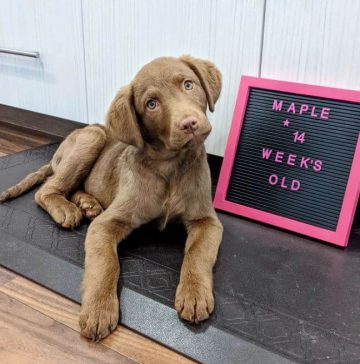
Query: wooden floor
point(40, 326)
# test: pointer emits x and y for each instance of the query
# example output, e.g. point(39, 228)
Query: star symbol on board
point(286, 122)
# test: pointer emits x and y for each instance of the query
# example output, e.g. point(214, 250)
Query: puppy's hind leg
point(89, 205)
point(27, 183)
point(71, 163)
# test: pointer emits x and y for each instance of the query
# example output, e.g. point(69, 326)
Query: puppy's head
point(165, 105)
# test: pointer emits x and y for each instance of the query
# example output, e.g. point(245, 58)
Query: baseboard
point(45, 124)
point(215, 163)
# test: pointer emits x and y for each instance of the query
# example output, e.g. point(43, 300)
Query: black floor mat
point(279, 297)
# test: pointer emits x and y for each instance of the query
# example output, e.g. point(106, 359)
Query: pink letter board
point(293, 158)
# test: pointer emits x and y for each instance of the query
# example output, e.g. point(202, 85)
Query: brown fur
point(144, 164)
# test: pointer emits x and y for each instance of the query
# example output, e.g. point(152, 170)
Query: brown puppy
point(147, 162)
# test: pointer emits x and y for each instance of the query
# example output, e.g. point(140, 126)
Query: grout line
point(262, 39)
point(84, 61)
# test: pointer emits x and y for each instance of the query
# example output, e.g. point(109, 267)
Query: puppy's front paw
point(68, 215)
point(194, 302)
point(99, 319)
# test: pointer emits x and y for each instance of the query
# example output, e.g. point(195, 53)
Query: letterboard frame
point(338, 236)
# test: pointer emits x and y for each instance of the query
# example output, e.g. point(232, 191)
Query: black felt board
point(331, 141)
point(279, 297)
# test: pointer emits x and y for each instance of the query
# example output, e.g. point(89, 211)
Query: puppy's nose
point(189, 125)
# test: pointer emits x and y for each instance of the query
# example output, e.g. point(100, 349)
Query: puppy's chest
point(174, 205)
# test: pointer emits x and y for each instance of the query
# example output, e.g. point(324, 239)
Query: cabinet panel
point(55, 83)
point(313, 41)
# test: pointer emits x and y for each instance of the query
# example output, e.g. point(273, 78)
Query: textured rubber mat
point(280, 298)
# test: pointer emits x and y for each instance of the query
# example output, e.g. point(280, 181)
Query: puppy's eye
point(151, 104)
point(188, 85)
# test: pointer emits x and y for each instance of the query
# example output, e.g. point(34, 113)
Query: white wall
point(90, 48)
point(121, 36)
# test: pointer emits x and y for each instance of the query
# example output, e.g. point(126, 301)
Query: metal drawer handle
point(20, 53)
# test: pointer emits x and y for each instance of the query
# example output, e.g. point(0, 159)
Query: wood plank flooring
point(40, 326)
point(31, 337)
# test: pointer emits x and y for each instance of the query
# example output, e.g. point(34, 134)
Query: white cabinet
point(122, 35)
point(55, 83)
point(313, 41)
point(89, 49)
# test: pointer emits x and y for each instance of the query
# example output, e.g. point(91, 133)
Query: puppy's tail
point(27, 183)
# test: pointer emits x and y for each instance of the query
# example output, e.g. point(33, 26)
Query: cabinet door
point(122, 35)
point(55, 83)
point(313, 41)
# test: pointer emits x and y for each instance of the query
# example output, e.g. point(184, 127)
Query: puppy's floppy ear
point(209, 75)
point(121, 118)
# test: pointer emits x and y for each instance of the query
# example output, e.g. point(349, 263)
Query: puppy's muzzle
point(189, 125)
